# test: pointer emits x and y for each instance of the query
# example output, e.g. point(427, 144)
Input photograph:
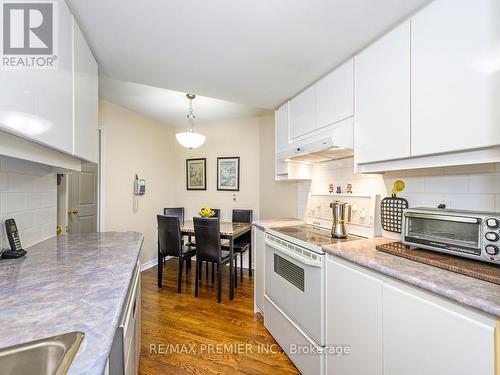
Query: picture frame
point(196, 174)
point(228, 173)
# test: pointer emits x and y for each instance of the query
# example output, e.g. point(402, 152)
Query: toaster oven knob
point(492, 236)
point(492, 250)
point(492, 223)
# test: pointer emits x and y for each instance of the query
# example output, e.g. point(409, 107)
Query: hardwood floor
point(182, 334)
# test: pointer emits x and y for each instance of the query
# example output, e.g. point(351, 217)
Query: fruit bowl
point(207, 212)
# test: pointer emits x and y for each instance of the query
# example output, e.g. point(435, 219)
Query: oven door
point(453, 234)
point(295, 283)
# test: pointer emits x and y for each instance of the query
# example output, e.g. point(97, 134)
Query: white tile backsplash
point(474, 187)
point(28, 193)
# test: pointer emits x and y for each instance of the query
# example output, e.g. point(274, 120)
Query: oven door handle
point(459, 219)
point(291, 254)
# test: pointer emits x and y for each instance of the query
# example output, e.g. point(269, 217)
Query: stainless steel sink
point(51, 355)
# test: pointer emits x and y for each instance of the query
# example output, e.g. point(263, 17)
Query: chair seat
point(238, 247)
point(225, 256)
point(187, 250)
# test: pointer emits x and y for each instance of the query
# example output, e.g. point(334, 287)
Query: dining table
point(228, 231)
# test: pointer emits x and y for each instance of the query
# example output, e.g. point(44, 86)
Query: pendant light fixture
point(190, 138)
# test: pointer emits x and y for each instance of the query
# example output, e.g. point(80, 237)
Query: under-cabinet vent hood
point(333, 153)
point(336, 143)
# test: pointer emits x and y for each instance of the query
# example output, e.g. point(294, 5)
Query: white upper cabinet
point(302, 113)
point(335, 96)
point(281, 128)
point(36, 103)
point(455, 76)
point(382, 123)
point(86, 99)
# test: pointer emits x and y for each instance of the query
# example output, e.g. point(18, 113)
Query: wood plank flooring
point(182, 334)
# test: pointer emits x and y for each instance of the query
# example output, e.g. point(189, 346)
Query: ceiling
point(257, 53)
point(170, 107)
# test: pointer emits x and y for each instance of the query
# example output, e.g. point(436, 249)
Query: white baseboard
point(151, 263)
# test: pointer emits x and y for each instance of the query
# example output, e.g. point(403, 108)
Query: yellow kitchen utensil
point(398, 186)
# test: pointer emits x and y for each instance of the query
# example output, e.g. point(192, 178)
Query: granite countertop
point(466, 290)
point(69, 283)
point(226, 228)
point(274, 223)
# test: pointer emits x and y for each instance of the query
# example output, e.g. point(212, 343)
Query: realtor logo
point(29, 34)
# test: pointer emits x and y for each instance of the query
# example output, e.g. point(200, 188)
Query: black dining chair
point(217, 215)
point(208, 249)
point(170, 244)
point(243, 242)
point(174, 211)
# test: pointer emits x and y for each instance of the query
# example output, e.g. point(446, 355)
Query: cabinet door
point(354, 318)
point(302, 113)
point(86, 99)
point(258, 249)
point(455, 76)
point(335, 96)
point(37, 104)
point(281, 128)
point(426, 337)
point(53, 92)
point(382, 127)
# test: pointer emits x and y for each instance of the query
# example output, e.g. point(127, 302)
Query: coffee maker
point(341, 216)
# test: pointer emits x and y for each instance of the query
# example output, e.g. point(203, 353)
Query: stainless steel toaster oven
point(470, 234)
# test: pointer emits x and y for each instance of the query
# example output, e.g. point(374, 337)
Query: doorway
point(77, 200)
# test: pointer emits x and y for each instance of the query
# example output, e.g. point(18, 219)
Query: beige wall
point(135, 144)
point(277, 199)
point(239, 137)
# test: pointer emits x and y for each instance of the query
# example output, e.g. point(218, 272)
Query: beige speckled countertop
point(466, 290)
point(274, 223)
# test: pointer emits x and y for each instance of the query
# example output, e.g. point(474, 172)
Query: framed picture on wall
point(196, 174)
point(228, 173)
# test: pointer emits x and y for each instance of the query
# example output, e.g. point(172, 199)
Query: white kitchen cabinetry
point(302, 113)
point(86, 99)
point(382, 125)
point(455, 76)
point(281, 128)
point(37, 103)
point(354, 318)
point(335, 96)
point(425, 335)
point(259, 246)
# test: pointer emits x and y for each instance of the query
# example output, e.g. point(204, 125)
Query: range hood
point(336, 143)
point(332, 153)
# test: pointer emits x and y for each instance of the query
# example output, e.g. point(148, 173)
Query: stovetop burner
point(313, 235)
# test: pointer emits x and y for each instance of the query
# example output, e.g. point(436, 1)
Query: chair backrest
point(243, 216)
point(175, 211)
point(207, 234)
point(169, 235)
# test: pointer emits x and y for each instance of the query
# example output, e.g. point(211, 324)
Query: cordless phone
point(16, 250)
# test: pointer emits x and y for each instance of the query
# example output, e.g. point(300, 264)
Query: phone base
point(13, 254)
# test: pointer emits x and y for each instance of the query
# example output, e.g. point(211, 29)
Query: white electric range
point(295, 292)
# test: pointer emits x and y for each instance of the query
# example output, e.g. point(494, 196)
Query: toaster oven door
point(452, 233)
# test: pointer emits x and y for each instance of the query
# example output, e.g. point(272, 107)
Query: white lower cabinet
point(393, 328)
point(258, 243)
point(425, 335)
point(354, 319)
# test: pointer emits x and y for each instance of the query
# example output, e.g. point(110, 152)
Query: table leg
point(231, 277)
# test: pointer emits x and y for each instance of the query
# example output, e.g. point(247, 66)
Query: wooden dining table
point(229, 231)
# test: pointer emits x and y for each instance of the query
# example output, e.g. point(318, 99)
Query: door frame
point(100, 182)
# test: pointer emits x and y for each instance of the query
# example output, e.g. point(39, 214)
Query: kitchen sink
point(51, 355)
